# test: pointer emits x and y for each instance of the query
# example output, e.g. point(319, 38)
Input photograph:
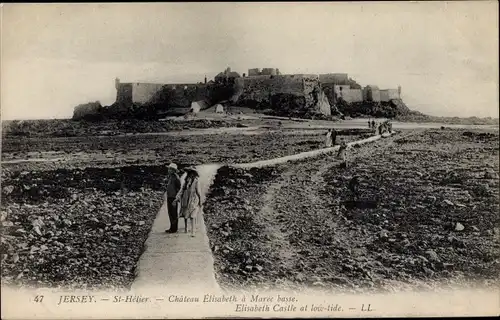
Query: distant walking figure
point(173, 187)
point(369, 124)
point(373, 124)
point(334, 136)
point(328, 139)
point(190, 199)
point(381, 128)
point(342, 154)
point(389, 126)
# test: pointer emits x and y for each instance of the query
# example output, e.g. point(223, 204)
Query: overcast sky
point(55, 56)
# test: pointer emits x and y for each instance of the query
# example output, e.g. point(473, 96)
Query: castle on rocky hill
point(265, 88)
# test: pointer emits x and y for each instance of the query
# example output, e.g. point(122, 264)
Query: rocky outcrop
point(284, 95)
point(87, 111)
point(324, 105)
point(391, 109)
point(400, 107)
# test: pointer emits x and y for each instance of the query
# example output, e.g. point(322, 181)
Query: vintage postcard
point(276, 160)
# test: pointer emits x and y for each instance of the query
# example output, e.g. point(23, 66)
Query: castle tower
point(117, 83)
point(399, 91)
point(205, 79)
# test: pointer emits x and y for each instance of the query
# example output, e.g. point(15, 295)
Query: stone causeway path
point(179, 262)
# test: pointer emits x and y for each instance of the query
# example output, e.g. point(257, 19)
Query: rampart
point(353, 95)
point(175, 95)
point(334, 78)
point(389, 94)
point(299, 93)
point(260, 87)
point(124, 94)
point(264, 72)
point(371, 93)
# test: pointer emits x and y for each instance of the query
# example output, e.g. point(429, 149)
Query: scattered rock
point(432, 255)
point(300, 277)
point(448, 202)
point(7, 223)
point(448, 266)
point(431, 198)
point(459, 227)
point(37, 230)
point(318, 284)
point(490, 175)
point(8, 189)
point(423, 259)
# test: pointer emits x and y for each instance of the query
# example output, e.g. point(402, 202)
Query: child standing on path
point(190, 199)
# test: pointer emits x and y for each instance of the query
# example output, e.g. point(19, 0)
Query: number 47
point(38, 298)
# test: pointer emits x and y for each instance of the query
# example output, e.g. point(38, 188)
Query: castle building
point(371, 93)
point(142, 93)
point(227, 76)
point(264, 72)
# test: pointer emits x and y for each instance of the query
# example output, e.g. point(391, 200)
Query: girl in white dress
point(190, 199)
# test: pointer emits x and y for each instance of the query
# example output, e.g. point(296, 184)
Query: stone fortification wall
point(389, 94)
point(264, 72)
point(353, 95)
point(333, 93)
point(329, 90)
point(340, 89)
point(334, 78)
point(179, 95)
point(285, 94)
point(254, 72)
point(124, 94)
point(371, 93)
point(259, 88)
point(375, 95)
point(174, 95)
point(269, 71)
point(144, 92)
point(347, 94)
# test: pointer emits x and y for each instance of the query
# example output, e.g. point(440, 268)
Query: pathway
point(179, 262)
